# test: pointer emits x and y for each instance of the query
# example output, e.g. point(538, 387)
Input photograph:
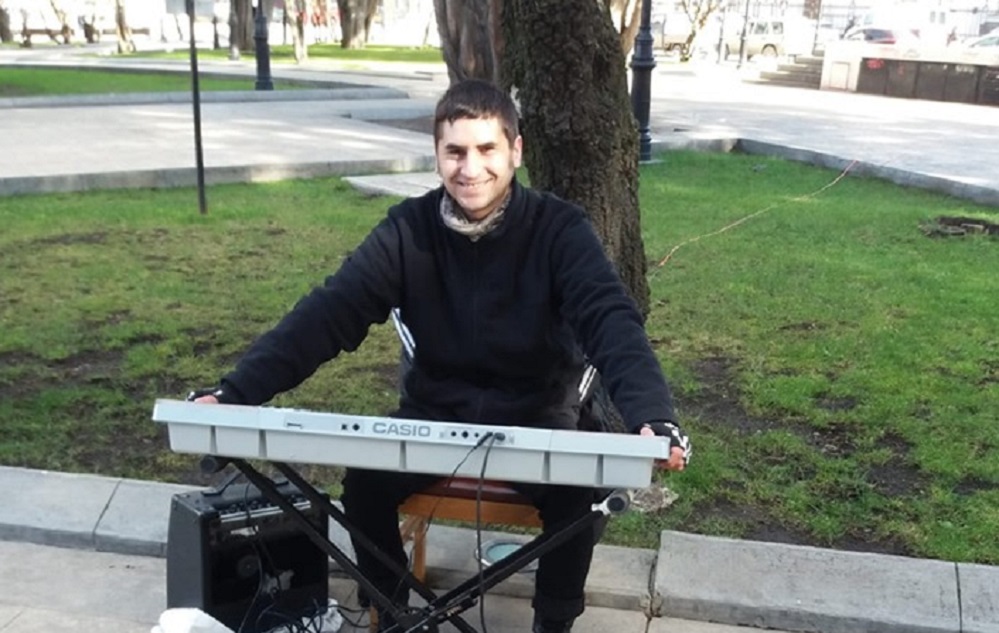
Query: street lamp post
point(196, 101)
point(263, 49)
point(642, 63)
point(742, 38)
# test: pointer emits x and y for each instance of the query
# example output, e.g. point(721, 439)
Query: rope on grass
point(669, 255)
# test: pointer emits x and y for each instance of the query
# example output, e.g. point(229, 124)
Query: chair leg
point(414, 528)
point(420, 549)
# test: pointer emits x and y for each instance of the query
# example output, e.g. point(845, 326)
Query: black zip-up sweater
point(496, 321)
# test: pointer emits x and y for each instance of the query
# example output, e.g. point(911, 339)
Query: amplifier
point(244, 561)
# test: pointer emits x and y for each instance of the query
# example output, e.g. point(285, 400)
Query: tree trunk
point(233, 32)
point(355, 21)
point(125, 42)
point(698, 13)
point(629, 27)
point(581, 141)
point(244, 25)
point(300, 14)
point(6, 35)
point(471, 38)
point(369, 17)
point(65, 30)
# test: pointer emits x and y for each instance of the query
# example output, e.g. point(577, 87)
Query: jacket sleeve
point(332, 318)
point(608, 325)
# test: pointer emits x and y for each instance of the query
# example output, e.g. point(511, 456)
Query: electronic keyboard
point(508, 453)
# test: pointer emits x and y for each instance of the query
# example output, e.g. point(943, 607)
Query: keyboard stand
point(447, 607)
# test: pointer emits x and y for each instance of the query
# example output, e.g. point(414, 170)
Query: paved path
point(911, 141)
point(945, 146)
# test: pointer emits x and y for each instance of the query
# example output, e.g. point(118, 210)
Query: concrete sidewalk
point(946, 147)
point(690, 577)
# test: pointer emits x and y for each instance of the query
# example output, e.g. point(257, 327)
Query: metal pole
point(742, 39)
point(642, 63)
point(263, 49)
point(721, 34)
point(196, 100)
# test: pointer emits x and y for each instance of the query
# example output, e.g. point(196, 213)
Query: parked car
point(878, 35)
point(763, 37)
point(985, 41)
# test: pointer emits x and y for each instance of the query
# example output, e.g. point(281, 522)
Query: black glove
point(222, 393)
point(677, 438)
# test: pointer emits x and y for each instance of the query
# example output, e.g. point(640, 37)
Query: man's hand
point(679, 452)
point(211, 395)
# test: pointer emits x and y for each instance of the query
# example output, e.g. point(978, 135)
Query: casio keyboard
point(577, 458)
point(235, 433)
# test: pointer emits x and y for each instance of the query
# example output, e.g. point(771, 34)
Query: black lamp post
point(742, 38)
point(642, 63)
point(263, 49)
point(196, 100)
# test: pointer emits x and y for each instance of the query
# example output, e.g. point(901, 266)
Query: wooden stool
point(455, 499)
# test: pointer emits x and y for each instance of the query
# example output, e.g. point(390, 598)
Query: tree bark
point(471, 38)
point(300, 46)
point(65, 30)
point(581, 141)
point(630, 21)
point(355, 21)
point(125, 42)
point(698, 12)
point(244, 25)
point(6, 34)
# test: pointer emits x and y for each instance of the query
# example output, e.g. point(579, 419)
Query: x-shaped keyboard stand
point(446, 607)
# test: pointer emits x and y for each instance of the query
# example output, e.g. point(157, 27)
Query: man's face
point(477, 163)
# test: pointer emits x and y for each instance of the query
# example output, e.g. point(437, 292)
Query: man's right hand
point(206, 400)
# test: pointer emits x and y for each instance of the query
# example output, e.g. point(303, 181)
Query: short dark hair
point(476, 99)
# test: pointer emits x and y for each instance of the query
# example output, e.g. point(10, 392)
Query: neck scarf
point(456, 220)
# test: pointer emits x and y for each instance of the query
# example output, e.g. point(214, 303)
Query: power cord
point(493, 438)
point(255, 536)
point(263, 554)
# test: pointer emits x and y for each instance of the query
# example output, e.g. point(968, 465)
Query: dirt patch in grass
point(957, 226)
point(834, 440)
point(896, 477)
point(971, 485)
point(99, 237)
point(718, 401)
point(385, 376)
point(719, 397)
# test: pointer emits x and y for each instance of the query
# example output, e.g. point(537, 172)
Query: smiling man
point(507, 292)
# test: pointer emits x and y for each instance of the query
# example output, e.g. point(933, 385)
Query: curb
point(207, 96)
point(187, 176)
point(966, 191)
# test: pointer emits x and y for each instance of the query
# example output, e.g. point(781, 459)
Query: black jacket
point(496, 321)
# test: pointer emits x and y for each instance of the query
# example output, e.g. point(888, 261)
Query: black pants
point(371, 500)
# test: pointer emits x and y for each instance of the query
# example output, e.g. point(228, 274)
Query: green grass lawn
point(285, 53)
point(835, 366)
point(36, 81)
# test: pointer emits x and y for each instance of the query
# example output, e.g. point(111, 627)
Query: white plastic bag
point(183, 620)
point(186, 620)
point(332, 619)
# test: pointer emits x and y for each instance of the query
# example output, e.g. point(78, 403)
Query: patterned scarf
point(455, 219)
